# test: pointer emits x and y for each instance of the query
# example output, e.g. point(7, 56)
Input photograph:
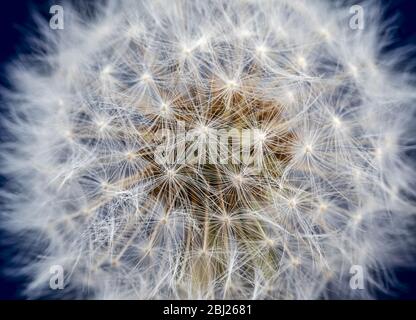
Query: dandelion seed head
point(328, 184)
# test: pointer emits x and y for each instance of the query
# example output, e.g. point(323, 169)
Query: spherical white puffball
point(121, 172)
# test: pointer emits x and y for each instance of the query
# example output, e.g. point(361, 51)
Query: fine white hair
point(334, 112)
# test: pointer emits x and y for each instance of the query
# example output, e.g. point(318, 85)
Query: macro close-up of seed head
point(254, 149)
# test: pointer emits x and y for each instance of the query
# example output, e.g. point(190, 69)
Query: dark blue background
point(15, 22)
